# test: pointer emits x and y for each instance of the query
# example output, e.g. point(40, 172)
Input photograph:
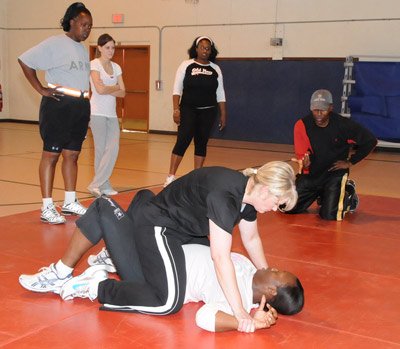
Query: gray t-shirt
point(65, 61)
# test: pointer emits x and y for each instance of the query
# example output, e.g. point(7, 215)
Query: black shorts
point(63, 124)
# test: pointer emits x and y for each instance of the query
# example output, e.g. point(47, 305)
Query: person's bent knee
point(329, 216)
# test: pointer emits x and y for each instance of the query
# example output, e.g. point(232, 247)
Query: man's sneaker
point(47, 280)
point(169, 180)
point(84, 285)
point(73, 208)
point(353, 197)
point(50, 215)
point(104, 259)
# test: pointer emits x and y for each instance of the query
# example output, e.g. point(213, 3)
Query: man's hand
point(340, 165)
point(262, 318)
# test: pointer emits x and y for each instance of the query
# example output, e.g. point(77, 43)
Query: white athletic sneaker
point(109, 192)
point(47, 280)
point(84, 285)
point(96, 192)
point(50, 215)
point(169, 180)
point(73, 208)
point(104, 259)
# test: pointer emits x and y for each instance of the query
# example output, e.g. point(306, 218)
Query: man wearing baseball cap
point(326, 146)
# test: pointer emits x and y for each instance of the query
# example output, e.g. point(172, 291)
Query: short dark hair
point(72, 12)
point(289, 299)
point(193, 54)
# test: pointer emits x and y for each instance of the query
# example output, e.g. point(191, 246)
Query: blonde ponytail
point(280, 178)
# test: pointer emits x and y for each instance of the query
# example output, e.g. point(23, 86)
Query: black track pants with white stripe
point(149, 260)
point(330, 188)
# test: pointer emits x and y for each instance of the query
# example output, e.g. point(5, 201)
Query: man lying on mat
point(145, 242)
point(281, 289)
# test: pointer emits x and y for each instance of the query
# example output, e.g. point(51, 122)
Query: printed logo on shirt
point(201, 71)
point(79, 66)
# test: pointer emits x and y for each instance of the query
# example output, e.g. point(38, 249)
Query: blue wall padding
point(375, 99)
point(265, 98)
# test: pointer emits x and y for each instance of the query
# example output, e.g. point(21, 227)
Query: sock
point(47, 202)
point(63, 270)
point(70, 196)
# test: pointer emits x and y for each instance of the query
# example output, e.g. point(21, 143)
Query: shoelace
point(42, 278)
point(76, 206)
point(102, 257)
point(51, 209)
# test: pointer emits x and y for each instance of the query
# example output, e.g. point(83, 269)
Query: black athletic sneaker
point(353, 197)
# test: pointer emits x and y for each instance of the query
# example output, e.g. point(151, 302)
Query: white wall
point(240, 28)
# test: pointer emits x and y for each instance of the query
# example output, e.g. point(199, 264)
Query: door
point(134, 108)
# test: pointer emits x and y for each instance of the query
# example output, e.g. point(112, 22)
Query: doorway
point(133, 109)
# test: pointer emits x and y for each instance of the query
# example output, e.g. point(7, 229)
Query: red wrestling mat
point(350, 271)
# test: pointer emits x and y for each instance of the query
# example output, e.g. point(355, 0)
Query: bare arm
point(102, 89)
point(121, 92)
point(220, 244)
point(210, 318)
point(222, 112)
point(252, 243)
point(31, 76)
point(177, 111)
point(263, 319)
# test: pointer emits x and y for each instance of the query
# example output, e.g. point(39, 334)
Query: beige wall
point(240, 28)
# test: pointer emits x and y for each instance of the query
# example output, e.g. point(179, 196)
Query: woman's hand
point(177, 116)
point(222, 122)
point(51, 93)
point(246, 322)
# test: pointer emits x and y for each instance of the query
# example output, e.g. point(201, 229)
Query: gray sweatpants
point(106, 134)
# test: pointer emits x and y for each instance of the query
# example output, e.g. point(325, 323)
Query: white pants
point(106, 135)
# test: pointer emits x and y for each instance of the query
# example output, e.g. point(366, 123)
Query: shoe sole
point(352, 210)
point(110, 194)
point(43, 220)
point(29, 288)
point(95, 194)
point(70, 213)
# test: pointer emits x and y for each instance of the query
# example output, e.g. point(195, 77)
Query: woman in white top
point(107, 84)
